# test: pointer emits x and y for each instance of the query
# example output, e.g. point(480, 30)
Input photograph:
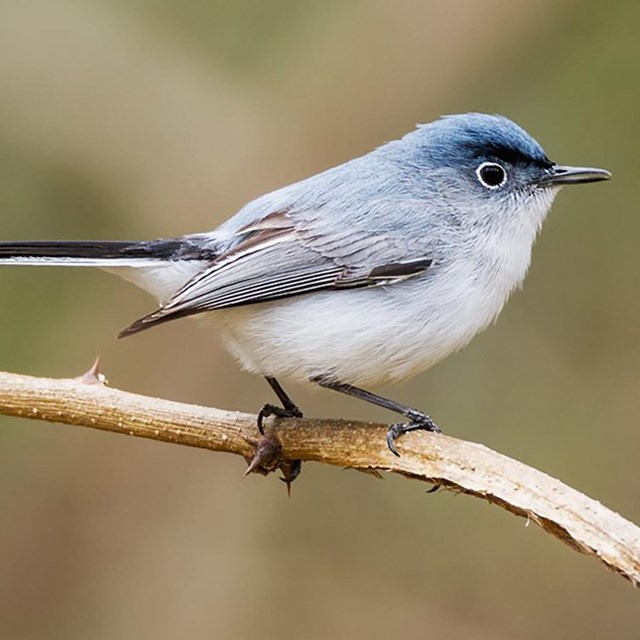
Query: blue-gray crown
point(457, 139)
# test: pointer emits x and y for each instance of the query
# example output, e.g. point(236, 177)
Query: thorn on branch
point(267, 458)
point(93, 376)
point(267, 452)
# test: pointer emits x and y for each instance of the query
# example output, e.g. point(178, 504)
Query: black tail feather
point(88, 249)
point(162, 249)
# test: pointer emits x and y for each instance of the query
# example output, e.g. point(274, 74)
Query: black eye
point(491, 175)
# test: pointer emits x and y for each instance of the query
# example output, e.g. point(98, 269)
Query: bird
point(365, 274)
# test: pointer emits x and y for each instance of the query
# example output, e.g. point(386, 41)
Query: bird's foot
point(279, 412)
point(419, 421)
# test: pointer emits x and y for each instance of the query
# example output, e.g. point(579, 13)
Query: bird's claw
point(420, 422)
point(274, 410)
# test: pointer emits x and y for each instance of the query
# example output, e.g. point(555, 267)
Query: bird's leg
point(417, 419)
point(287, 410)
point(268, 448)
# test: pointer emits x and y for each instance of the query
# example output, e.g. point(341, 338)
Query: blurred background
point(153, 118)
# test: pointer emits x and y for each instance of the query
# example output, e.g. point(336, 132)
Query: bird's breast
point(372, 336)
point(385, 333)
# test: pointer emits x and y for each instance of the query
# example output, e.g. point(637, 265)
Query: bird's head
point(487, 166)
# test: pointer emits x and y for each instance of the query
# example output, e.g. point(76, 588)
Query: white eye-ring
point(491, 175)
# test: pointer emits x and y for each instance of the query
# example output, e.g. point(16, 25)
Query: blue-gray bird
point(365, 274)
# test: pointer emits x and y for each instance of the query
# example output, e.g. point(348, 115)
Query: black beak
point(560, 175)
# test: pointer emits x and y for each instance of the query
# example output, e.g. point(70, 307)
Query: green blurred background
point(123, 119)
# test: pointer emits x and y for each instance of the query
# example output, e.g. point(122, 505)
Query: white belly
point(371, 336)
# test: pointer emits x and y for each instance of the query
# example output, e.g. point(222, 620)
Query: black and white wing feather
point(276, 258)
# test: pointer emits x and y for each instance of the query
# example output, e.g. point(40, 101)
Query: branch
point(464, 467)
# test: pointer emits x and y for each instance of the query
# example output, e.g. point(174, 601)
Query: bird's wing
point(277, 257)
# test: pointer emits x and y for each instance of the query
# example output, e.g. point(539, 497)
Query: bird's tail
point(160, 267)
point(86, 253)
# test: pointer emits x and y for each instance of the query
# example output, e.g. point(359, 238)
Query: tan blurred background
point(123, 119)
